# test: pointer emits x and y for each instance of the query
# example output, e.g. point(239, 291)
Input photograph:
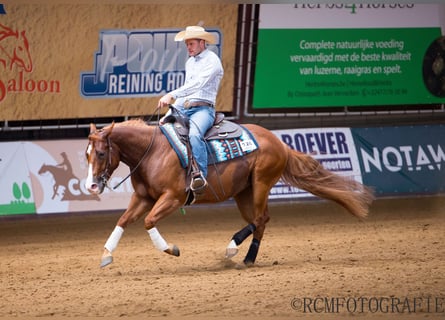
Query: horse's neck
point(132, 142)
point(8, 39)
point(9, 42)
point(52, 169)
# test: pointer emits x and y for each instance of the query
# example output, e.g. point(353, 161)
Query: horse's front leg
point(137, 207)
point(165, 205)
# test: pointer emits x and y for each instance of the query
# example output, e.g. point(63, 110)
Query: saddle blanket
point(218, 150)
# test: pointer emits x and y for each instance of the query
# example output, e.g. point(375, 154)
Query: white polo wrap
point(157, 239)
point(114, 238)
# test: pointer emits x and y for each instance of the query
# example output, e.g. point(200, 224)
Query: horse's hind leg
point(257, 237)
point(238, 238)
point(256, 214)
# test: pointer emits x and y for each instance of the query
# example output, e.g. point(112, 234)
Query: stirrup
point(199, 183)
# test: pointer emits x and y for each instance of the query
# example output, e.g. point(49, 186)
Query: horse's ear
point(92, 127)
point(111, 128)
point(107, 130)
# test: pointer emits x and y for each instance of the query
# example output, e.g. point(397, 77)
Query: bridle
point(105, 175)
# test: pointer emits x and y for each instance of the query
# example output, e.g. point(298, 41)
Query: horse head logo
point(14, 49)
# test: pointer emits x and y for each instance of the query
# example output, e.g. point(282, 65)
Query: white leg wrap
point(232, 245)
point(114, 238)
point(157, 239)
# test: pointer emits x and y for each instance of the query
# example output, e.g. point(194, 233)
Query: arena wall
point(41, 177)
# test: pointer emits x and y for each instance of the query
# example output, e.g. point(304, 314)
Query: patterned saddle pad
point(218, 150)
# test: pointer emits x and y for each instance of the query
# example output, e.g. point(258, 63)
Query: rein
point(143, 156)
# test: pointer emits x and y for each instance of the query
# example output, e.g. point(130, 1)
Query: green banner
point(297, 68)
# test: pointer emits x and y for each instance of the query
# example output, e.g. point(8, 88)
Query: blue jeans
point(201, 119)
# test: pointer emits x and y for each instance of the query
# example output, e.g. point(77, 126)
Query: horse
point(59, 174)
point(14, 49)
point(159, 182)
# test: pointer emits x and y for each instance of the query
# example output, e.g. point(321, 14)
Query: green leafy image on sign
point(21, 202)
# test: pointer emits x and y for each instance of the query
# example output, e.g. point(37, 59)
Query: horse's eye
point(100, 155)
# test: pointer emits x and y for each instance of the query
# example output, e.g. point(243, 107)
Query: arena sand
point(315, 261)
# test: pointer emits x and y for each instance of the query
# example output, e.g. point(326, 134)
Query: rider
point(65, 165)
point(196, 97)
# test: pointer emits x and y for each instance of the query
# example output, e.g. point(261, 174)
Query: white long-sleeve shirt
point(203, 74)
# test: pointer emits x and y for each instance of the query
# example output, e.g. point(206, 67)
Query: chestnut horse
point(159, 181)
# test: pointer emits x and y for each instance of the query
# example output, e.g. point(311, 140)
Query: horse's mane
point(139, 123)
point(132, 123)
point(6, 32)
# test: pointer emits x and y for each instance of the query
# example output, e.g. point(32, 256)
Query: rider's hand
point(162, 121)
point(165, 101)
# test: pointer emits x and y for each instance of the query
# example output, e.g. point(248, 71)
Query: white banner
point(15, 183)
point(333, 147)
point(49, 177)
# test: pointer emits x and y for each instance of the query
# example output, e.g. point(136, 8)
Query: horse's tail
point(304, 172)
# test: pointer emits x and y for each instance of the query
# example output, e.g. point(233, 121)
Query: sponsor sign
point(402, 160)
point(333, 147)
point(325, 55)
point(16, 66)
point(49, 177)
point(131, 63)
point(16, 196)
point(63, 61)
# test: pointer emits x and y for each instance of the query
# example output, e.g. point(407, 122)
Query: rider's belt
point(189, 104)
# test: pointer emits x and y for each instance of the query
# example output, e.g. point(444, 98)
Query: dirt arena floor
point(315, 262)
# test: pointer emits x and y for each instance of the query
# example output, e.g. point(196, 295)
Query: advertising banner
point(16, 196)
point(402, 160)
point(132, 63)
point(333, 147)
point(324, 55)
point(70, 60)
point(49, 177)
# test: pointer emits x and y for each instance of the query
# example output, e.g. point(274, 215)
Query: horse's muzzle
point(96, 186)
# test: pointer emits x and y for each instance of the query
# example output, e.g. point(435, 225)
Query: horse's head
point(102, 160)
point(16, 47)
point(22, 56)
point(43, 169)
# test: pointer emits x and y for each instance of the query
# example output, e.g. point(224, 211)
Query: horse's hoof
point(173, 250)
point(230, 253)
point(106, 261)
point(231, 250)
point(248, 263)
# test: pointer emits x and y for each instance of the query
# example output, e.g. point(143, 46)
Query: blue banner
point(402, 160)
